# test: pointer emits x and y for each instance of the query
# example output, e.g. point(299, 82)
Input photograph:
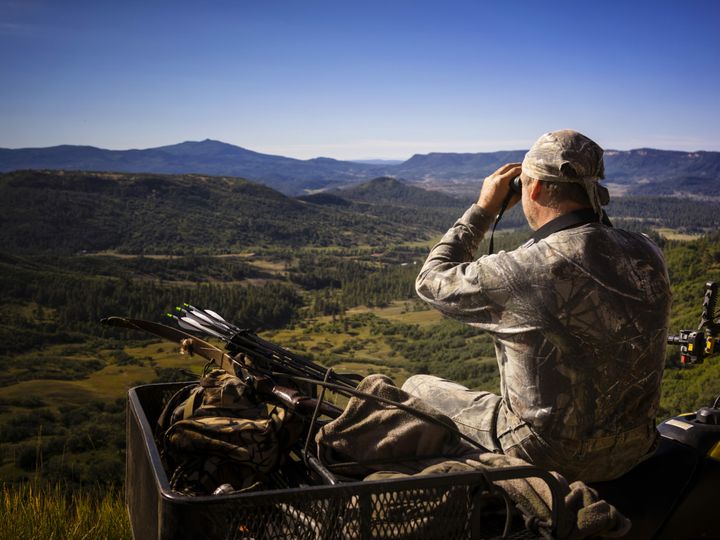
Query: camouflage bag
point(218, 432)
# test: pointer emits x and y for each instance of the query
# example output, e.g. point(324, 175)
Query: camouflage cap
point(568, 156)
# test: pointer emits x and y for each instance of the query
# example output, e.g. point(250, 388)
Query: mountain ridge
point(446, 171)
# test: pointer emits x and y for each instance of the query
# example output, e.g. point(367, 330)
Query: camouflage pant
point(485, 417)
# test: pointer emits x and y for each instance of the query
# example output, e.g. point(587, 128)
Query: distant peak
point(385, 180)
point(207, 142)
point(206, 146)
point(323, 159)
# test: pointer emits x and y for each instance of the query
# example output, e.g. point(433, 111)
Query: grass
point(72, 392)
point(356, 348)
point(33, 510)
point(402, 312)
point(672, 234)
point(69, 446)
point(110, 382)
point(686, 390)
point(268, 266)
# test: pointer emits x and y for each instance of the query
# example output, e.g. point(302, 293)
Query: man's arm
point(449, 280)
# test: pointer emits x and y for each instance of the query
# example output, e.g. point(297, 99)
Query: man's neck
point(569, 220)
point(545, 214)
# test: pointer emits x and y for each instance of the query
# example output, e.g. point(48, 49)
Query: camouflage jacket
point(579, 321)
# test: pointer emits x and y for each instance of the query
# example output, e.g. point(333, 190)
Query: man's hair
point(561, 192)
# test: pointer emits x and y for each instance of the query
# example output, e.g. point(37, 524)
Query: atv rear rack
point(450, 506)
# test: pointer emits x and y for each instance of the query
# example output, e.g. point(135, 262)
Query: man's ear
point(535, 190)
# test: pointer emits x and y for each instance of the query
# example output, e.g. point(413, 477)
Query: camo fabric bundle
point(217, 432)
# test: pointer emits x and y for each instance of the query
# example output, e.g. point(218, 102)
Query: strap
point(190, 403)
point(504, 206)
point(576, 218)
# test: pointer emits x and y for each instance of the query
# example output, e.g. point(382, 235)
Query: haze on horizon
point(371, 80)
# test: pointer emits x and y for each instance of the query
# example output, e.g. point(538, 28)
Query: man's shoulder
point(640, 245)
point(597, 233)
point(592, 247)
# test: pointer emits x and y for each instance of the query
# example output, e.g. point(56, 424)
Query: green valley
point(330, 277)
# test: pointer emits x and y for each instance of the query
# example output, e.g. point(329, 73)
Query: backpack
point(218, 432)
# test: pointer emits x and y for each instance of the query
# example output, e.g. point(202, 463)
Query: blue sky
point(361, 79)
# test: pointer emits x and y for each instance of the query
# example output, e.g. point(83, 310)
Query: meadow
point(62, 399)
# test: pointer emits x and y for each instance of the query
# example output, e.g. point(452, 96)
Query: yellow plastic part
point(690, 347)
point(715, 451)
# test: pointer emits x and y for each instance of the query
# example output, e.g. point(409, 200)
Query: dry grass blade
point(34, 510)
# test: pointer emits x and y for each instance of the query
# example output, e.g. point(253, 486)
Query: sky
point(359, 79)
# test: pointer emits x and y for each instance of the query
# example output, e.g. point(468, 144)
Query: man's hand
point(496, 187)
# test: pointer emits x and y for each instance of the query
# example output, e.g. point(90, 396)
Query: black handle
point(707, 319)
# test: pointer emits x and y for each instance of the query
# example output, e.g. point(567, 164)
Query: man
point(578, 314)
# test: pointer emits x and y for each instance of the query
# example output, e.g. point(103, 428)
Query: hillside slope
point(389, 190)
point(70, 212)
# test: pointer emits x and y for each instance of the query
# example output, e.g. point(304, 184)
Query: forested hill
point(388, 190)
point(70, 212)
point(452, 166)
point(397, 202)
point(65, 213)
point(660, 165)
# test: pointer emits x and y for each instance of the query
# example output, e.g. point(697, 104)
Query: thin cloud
point(12, 11)
point(392, 148)
point(9, 28)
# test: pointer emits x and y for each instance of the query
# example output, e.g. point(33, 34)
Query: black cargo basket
point(446, 506)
